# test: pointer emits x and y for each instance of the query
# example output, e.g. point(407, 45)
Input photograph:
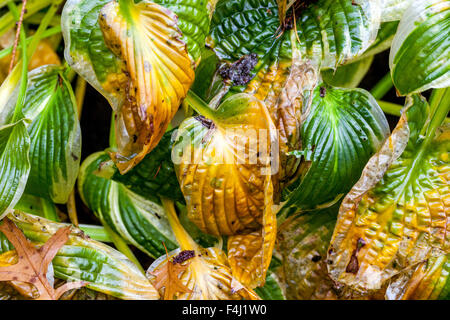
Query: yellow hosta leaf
point(223, 164)
point(158, 69)
point(206, 273)
point(225, 172)
point(250, 254)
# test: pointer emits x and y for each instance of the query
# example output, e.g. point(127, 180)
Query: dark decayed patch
point(183, 256)
point(353, 265)
point(207, 123)
point(240, 72)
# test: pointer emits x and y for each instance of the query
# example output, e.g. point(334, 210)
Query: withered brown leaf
point(33, 263)
point(168, 277)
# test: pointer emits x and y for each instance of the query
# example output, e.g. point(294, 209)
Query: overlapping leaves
point(82, 259)
point(152, 68)
point(396, 215)
point(203, 274)
point(142, 221)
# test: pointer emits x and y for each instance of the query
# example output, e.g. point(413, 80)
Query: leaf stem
point(122, 246)
point(439, 107)
point(200, 106)
point(183, 238)
point(24, 71)
point(382, 87)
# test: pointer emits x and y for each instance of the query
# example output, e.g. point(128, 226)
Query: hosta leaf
point(140, 220)
point(342, 131)
point(86, 51)
point(303, 243)
point(14, 163)
point(153, 176)
point(153, 49)
point(396, 215)
point(106, 269)
point(420, 50)
point(428, 281)
point(393, 10)
point(205, 272)
point(349, 75)
point(145, 36)
point(210, 164)
point(55, 134)
point(224, 164)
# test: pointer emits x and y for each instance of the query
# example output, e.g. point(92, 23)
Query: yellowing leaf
point(158, 69)
point(167, 277)
point(396, 216)
point(225, 171)
point(205, 272)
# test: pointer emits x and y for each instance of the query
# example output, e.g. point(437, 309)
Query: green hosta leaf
point(86, 51)
point(14, 163)
point(329, 33)
point(421, 49)
point(153, 176)
point(396, 215)
point(349, 75)
point(55, 134)
point(241, 27)
point(142, 222)
point(430, 280)
point(303, 243)
point(271, 290)
point(105, 269)
point(342, 131)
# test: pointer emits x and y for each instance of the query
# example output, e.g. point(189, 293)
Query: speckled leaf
point(105, 269)
point(141, 221)
point(303, 242)
point(55, 134)
point(396, 215)
point(421, 48)
point(343, 130)
point(272, 288)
